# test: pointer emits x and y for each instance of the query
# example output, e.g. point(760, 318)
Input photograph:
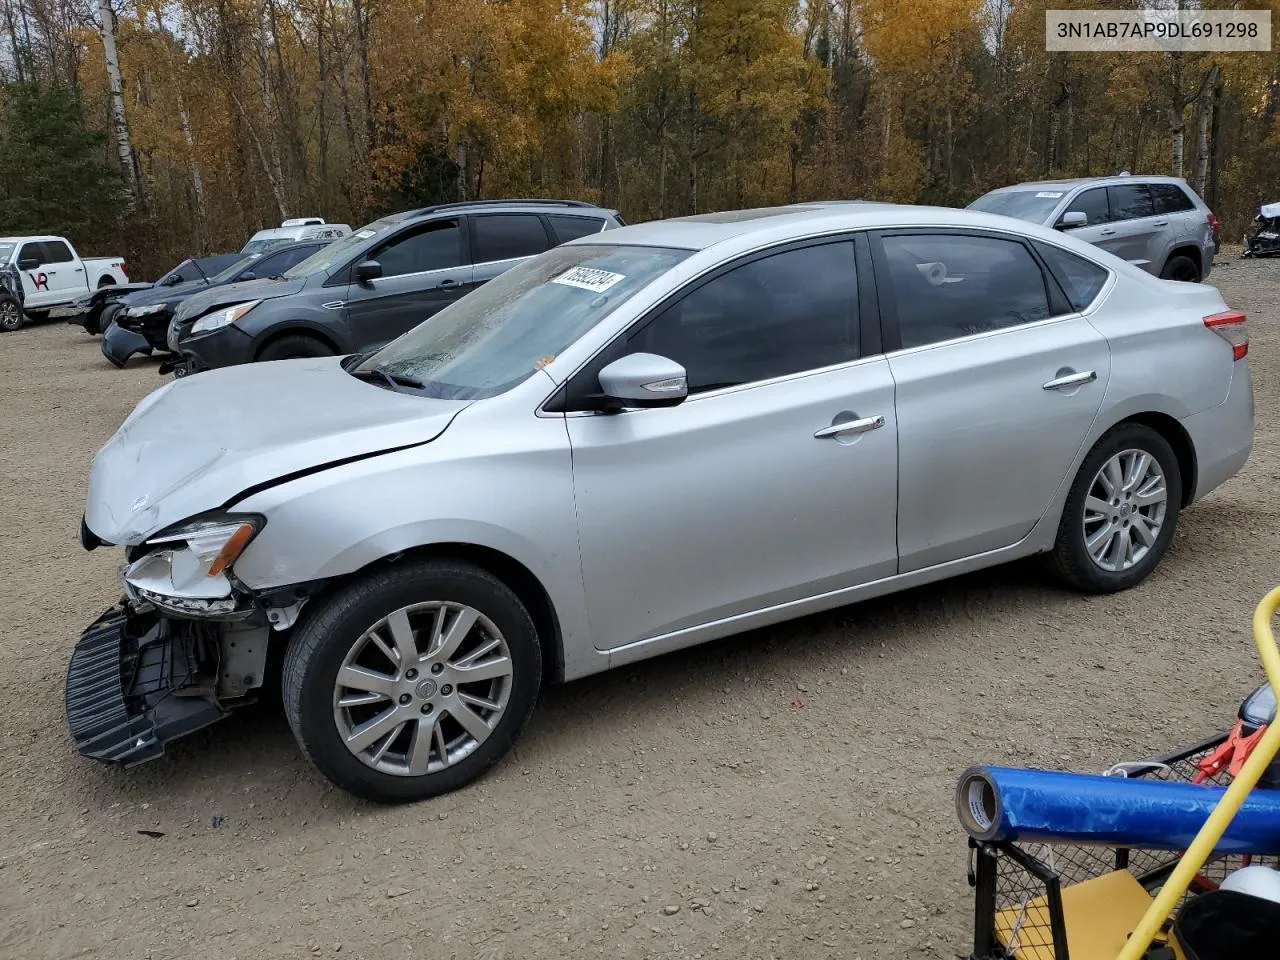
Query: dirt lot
point(783, 794)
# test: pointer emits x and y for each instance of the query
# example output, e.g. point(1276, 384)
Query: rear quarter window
point(1080, 279)
point(1170, 198)
point(568, 228)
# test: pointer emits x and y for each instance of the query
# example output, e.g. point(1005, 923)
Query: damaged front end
point(185, 645)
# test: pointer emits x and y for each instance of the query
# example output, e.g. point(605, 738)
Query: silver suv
point(1156, 223)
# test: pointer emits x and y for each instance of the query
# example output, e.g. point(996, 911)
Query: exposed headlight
point(146, 311)
point(222, 318)
point(214, 544)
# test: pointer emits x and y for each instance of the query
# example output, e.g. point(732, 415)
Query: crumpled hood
point(197, 442)
point(229, 294)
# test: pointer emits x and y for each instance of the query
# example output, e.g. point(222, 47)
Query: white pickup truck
point(53, 274)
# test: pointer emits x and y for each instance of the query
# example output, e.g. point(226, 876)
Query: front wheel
point(10, 315)
point(294, 347)
point(412, 681)
point(1121, 512)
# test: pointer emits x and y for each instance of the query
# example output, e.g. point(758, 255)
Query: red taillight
point(124, 267)
point(1214, 224)
point(1233, 327)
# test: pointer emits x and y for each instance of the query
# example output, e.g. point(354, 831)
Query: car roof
point(779, 224)
point(34, 236)
point(572, 207)
point(1072, 183)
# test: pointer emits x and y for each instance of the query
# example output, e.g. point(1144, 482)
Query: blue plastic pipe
point(1002, 803)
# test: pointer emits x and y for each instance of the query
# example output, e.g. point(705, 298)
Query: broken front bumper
point(137, 681)
point(119, 344)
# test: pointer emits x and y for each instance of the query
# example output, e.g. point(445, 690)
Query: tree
point(57, 178)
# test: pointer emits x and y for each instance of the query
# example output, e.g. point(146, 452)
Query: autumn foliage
point(242, 112)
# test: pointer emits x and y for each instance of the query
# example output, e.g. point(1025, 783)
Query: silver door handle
point(1107, 233)
point(1161, 223)
point(1071, 380)
point(79, 270)
point(849, 426)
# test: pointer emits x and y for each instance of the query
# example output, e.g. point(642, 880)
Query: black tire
point(293, 347)
point(11, 317)
point(1181, 268)
point(331, 626)
point(1070, 558)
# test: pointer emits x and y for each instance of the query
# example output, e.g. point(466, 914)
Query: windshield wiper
point(394, 381)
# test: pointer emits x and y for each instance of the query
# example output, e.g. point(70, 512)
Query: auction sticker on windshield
point(589, 278)
point(1048, 195)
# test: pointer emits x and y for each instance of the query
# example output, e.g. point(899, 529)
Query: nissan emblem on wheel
point(642, 439)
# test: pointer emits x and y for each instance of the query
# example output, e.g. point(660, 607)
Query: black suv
point(141, 324)
point(369, 287)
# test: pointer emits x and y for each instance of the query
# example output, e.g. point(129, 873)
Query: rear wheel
point(412, 681)
point(1181, 268)
point(1121, 512)
point(293, 347)
point(10, 314)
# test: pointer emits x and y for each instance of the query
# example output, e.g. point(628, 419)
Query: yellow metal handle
point(1216, 825)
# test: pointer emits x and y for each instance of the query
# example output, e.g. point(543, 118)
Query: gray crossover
point(638, 441)
point(374, 284)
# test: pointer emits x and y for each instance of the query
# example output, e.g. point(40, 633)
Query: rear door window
point(1170, 198)
point(1093, 204)
point(571, 228)
point(506, 236)
point(947, 286)
point(1130, 201)
point(55, 251)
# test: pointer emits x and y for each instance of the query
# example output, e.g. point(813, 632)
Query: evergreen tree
point(54, 173)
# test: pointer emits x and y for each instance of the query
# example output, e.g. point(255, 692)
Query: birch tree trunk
point(115, 84)
point(197, 177)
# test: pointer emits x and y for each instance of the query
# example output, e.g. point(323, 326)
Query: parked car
point(53, 274)
point(10, 298)
point(370, 287)
point(1156, 223)
point(635, 442)
point(142, 323)
point(93, 308)
point(291, 231)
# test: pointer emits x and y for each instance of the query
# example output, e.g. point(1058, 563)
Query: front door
point(998, 382)
point(423, 271)
point(773, 482)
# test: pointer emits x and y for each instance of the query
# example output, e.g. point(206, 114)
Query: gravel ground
point(782, 794)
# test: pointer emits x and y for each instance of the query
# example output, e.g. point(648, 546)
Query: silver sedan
point(633, 443)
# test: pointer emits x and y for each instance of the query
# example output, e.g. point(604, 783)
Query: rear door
point(1139, 233)
point(501, 240)
point(998, 381)
point(424, 269)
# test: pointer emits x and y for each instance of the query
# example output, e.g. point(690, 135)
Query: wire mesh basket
point(1019, 909)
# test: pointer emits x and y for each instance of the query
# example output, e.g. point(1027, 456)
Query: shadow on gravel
point(254, 747)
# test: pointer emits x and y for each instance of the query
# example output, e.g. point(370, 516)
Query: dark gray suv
point(370, 287)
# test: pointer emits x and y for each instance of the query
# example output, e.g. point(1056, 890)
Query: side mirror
point(248, 275)
point(1072, 219)
point(28, 263)
point(367, 270)
point(173, 281)
point(644, 380)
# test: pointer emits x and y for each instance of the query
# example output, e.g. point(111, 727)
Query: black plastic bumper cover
point(133, 686)
point(119, 344)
